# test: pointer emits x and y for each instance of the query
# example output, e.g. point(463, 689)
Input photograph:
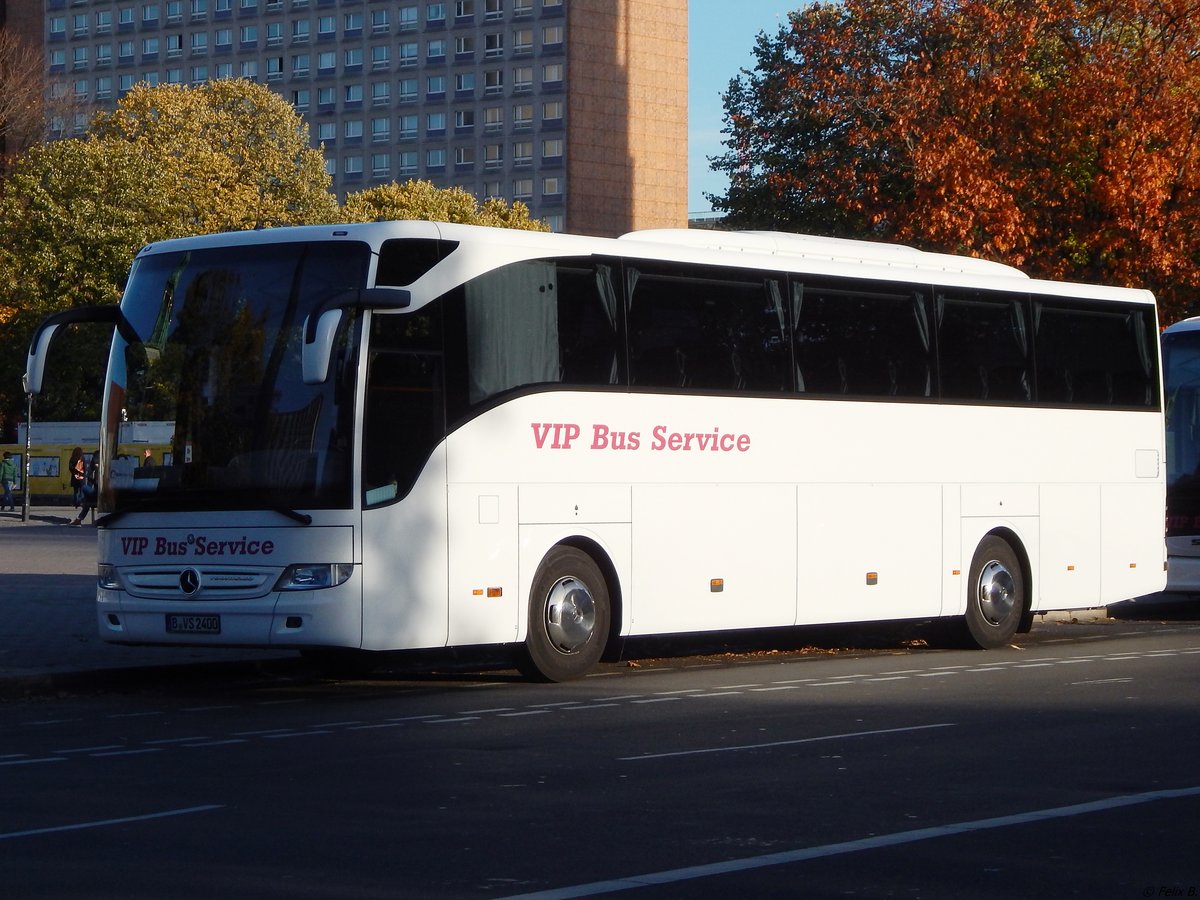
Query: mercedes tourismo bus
point(1181, 377)
point(419, 435)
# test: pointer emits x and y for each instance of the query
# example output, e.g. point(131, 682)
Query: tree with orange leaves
point(1061, 136)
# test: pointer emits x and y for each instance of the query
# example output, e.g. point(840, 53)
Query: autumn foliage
point(1061, 136)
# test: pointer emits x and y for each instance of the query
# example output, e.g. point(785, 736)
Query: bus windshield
point(1181, 365)
point(219, 357)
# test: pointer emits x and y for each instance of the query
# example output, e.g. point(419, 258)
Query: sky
point(721, 38)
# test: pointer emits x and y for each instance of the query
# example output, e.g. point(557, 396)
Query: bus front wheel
point(568, 616)
point(995, 594)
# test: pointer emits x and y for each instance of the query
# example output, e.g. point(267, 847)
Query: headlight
point(313, 576)
point(107, 578)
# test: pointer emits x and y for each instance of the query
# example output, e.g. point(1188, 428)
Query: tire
point(569, 614)
point(996, 595)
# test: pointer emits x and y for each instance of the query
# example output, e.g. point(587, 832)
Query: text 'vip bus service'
point(417, 435)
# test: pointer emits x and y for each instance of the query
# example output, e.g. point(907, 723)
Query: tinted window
point(983, 347)
point(404, 417)
point(861, 339)
point(1095, 357)
point(706, 330)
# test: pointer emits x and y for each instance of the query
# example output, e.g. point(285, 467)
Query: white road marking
point(692, 873)
point(79, 826)
point(811, 740)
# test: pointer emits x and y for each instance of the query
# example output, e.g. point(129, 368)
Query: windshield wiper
point(302, 518)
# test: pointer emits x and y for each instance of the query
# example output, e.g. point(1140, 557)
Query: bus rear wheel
point(996, 594)
point(569, 614)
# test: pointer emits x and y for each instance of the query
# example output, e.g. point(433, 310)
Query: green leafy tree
point(422, 200)
point(169, 161)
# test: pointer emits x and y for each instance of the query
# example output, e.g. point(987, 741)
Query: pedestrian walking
point(89, 490)
point(8, 477)
point(78, 473)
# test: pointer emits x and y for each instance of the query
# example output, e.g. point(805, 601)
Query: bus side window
point(1095, 357)
point(862, 339)
point(706, 330)
point(983, 347)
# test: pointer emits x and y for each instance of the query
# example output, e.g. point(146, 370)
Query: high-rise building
point(577, 108)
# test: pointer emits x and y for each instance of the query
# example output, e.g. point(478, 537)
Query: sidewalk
point(48, 635)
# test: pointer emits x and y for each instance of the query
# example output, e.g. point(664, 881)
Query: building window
point(464, 9)
point(523, 79)
point(300, 65)
point(407, 162)
point(354, 94)
point(523, 153)
point(435, 49)
point(249, 69)
point(523, 116)
point(326, 27)
point(353, 129)
point(552, 74)
point(326, 132)
point(379, 57)
point(493, 118)
point(353, 59)
point(552, 149)
point(381, 129)
point(408, 18)
point(435, 123)
point(493, 9)
point(274, 68)
point(493, 45)
point(199, 74)
point(352, 25)
point(493, 82)
point(381, 93)
point(379, 21)
point(551, 186)
point(464, 83)
point(523, 189)
point(353, 165)
point(223, 39)
point(248, 36)
point(380, 165)
point(408, 127)
point(493, 157)
point(435, 86)
point(408, 54)
point(326, 62)
point(408, 90)
point(199, 43)
point(552, 111)
point(464, 120)
point(522, 41)
point(301, 99)
point(464, 156)
point(552, 35)
point(464, 47)
point(435, 12)
point(274, 34)
point(103, 21)
point(326, 97)
point(300, 31)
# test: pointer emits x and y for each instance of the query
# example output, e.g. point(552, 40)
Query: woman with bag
point(89, 490)
point(77, 474)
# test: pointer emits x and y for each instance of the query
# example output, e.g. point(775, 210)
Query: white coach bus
point(408, 435)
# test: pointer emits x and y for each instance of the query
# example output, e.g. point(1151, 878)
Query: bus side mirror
point(320, 328)
point(39, 346)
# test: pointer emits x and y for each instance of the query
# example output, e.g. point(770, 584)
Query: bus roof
point(739, 249)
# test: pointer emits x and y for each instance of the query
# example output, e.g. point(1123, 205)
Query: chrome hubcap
point(570, 614)
point(996, 592)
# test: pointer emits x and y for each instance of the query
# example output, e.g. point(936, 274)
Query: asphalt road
point(1066, 768)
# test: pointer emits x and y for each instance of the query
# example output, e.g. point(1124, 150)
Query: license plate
point(178, 623)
